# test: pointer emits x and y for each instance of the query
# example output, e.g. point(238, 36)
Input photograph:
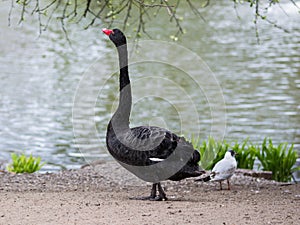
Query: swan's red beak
point(107, 31)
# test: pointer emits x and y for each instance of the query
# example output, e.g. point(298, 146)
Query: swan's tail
point(204, 179)
point(207, 178)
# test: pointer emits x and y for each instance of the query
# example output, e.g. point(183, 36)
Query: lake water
point(56, 100)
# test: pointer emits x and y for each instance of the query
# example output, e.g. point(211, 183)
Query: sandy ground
point(101, 195)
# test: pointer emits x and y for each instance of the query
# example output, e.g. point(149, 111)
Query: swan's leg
point(162, 195)
point(228, 184)
point(152, 196)
point(153, 191)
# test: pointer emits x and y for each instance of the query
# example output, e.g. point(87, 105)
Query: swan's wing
point(155, 144)
point(158, 142)
point(141, 146)
point(161, 153)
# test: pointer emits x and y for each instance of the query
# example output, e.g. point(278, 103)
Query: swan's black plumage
point(146, 145)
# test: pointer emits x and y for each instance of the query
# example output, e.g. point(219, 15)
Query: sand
point(101, 195)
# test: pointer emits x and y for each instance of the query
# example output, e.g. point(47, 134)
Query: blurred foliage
point(23, 164)
point(279, 159)
point(134, 13)
point(211, 151)
point(246, 154)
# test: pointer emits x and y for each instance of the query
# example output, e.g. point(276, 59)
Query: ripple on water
point(40, 83)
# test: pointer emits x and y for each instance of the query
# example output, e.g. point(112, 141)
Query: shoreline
point(100, 194)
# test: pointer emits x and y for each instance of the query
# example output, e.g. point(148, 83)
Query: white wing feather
point(224, 169)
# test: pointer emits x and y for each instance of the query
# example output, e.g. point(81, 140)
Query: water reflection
point(40, 77)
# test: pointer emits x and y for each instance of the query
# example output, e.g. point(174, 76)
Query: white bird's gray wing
point(223, 170)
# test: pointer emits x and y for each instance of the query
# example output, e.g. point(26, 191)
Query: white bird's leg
point(221, 185)
point(228, 184)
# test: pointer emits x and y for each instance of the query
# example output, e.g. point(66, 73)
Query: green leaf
point(23, 164)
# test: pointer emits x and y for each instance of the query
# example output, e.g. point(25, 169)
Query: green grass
point(246, 154)
point(211, 151)
point(279, 159)
point(23, 164)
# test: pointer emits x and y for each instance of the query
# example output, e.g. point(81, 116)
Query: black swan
point(152, 153)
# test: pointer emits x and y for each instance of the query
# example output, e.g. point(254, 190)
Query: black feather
point(204, 179)
point(137, 146)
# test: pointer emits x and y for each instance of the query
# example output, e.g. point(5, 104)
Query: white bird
point(223, 170)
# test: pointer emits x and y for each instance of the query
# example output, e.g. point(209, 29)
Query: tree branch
point(195, 10)
point(127, 14)
point(88, 3)
point(24, 4)
point(108, 10)
point(10, 12)
point(256, 21)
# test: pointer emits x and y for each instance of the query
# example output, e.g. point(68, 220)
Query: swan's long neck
point(120, 119)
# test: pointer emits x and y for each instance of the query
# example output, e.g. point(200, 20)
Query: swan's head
point(116, 36)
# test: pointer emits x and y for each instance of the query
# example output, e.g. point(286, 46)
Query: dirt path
point(98, 196)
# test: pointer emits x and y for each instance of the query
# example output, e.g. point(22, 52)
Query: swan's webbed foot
point(144, 198)
point(153, 197)
point(158, 198)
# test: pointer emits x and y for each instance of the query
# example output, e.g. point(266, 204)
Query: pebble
point(101, 176)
